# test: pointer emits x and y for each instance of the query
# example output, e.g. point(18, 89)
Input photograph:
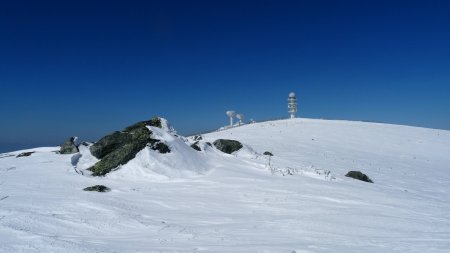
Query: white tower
point(240, 116)
point(292, 104)
point(231, 114)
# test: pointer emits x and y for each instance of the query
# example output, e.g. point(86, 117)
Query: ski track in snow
point(212, 202)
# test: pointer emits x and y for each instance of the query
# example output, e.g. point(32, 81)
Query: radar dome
point(292, 95)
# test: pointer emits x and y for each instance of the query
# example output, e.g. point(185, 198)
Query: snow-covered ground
point(208, 201)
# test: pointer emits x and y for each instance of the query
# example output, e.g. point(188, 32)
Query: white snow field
point(209, 201)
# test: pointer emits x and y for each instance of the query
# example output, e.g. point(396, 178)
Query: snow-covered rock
point(69, 147)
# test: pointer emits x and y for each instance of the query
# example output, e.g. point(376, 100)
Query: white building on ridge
point(292, 104)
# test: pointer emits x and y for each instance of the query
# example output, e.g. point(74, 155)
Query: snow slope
point(209, 201)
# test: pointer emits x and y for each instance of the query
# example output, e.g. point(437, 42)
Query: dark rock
point(195, 146)
point(120, 147)
point(359, 176)
point(209, 144)
point(161, 147)
point(227, 146)
point(268, 153)
point(25, 154)
point(137, 132)
point(69, 147)
point(109, 143)
point(122, 153)
point(97, 188)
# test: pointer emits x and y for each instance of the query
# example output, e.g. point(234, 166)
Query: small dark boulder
point(195, 146)
point(359, 176)
point(161, 147)
point(24, 154)
point(227, 146)
point(97, 188)
point(268, 153)
point(69, 147)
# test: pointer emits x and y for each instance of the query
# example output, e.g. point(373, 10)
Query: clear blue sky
point(87, 68)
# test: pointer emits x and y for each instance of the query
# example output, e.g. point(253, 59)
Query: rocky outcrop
point(69, 147)
point(359, 176)
point(227, 146)
point(267, 153)
point(120, 147)
point(97, 188)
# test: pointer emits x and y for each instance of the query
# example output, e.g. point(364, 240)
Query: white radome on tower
point(292, 104)
point(231, 114)
point(240, 116)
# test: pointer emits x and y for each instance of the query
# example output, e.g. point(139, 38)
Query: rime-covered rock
point(69, 147)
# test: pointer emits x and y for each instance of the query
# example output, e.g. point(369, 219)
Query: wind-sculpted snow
point(297, 200)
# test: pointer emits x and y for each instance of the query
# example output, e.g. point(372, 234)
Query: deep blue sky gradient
point(87, 68)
